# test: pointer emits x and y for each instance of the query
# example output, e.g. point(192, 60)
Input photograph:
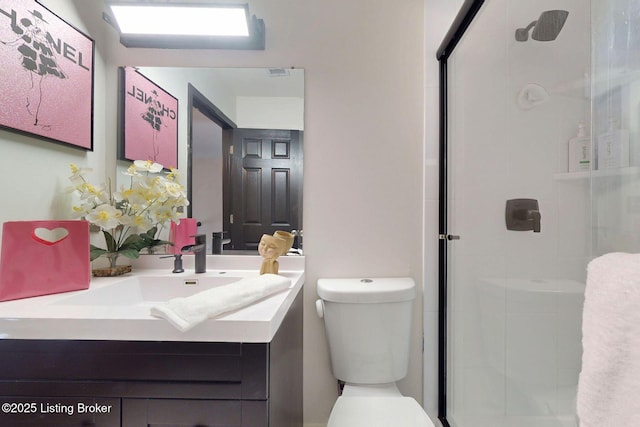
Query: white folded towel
point(609, 384)
point(185, 313)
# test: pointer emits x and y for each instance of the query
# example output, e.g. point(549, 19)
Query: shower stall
point(523, 210)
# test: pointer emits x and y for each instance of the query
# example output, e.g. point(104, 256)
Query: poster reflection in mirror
point(46, 77)
point(148, 120)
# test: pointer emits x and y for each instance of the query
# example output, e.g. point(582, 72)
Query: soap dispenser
point(613, 147)
point(580, 151)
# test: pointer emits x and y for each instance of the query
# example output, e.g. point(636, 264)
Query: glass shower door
point(516, 275)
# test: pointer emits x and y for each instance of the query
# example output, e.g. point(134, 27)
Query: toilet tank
point(368, 327)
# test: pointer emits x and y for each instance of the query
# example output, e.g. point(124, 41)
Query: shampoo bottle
point(580, 151)
point(613, 147)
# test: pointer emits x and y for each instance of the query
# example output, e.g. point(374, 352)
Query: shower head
point(546, 28)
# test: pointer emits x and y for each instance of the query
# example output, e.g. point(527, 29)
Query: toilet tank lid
point(373, 290)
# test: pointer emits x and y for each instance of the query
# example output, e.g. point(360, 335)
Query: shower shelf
point(571, 176)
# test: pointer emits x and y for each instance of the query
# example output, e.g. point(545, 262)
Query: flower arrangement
point(132, 218)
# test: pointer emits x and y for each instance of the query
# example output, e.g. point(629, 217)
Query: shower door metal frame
point(463, 19)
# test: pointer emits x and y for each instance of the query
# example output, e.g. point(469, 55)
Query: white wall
point(270, 112)
point(363, 171)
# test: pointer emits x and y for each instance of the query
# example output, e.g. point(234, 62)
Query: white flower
point(82, 210)
point(164, 214)
point(140, 222)
point(93, 194)
point(147, 165)
point(131, 171)
point(106, 216)
point(77, 174)
point(173, 175)
point(147, 203)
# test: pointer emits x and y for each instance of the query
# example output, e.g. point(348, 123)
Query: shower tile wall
point(517, 296)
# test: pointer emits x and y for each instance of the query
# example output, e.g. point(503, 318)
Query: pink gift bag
point(43, 257)
point(182, 234)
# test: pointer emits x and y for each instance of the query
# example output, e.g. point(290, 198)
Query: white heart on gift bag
point(50, 237)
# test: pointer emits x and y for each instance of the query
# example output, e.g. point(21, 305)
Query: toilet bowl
point(368, 328)
point(375, 406)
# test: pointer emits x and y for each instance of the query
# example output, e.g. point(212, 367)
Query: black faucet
point(199, 250)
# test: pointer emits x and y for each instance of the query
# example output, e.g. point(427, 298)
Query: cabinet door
point(193, 413)
point(59, 412)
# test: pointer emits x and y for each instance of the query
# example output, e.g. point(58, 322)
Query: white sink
point(118, 308)
point(146, 290)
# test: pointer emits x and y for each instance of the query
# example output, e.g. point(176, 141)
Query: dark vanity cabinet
point(61, 383)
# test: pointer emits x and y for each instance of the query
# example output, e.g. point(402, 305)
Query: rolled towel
point(185, 313)
point(609, 383)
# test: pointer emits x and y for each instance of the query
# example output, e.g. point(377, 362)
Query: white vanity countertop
point(66, 316)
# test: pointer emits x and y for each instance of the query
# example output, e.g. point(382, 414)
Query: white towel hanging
point(609, 383)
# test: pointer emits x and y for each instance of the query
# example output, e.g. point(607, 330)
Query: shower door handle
point(449, 237)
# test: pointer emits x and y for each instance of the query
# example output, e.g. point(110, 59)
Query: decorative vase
point(113, 269)
point(287, 241)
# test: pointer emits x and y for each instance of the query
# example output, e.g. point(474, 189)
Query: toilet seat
point(378, 412)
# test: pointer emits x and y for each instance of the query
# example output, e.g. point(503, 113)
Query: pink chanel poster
point(149, 120)
point(46, 75)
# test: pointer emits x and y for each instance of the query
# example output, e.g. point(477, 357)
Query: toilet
point(368, 327)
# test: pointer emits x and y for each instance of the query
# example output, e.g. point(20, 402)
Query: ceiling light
point(167, 25)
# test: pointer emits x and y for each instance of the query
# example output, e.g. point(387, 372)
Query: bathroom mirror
point(268, 99)
point(243, 129)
